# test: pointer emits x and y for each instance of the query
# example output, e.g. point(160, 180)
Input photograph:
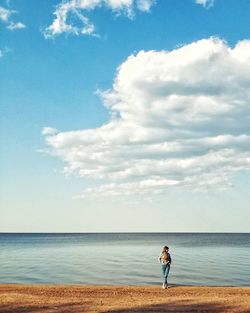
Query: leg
point(164, 268)
point(166, 275)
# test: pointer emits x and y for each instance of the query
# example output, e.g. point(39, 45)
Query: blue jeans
point(165, 270)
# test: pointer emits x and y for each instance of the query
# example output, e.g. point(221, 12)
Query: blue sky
point(125, 115)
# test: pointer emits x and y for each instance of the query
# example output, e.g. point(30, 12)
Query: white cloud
point(206, 3)
point(17, 25)
point(4, 51)
point(144, 187)
point(6, 18)
point(145, 5)
point(179, 118)
point(71, 15)
point(49, 131)
point(5, 14)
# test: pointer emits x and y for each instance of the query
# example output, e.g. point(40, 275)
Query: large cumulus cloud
point(178, 118)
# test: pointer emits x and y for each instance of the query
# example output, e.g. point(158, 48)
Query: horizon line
point(129, 232)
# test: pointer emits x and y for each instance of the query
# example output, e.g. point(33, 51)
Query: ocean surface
point(125, 258)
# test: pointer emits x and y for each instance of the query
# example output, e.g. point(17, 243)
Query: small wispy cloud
point(17, 25)
point(49, 131)
point(6, 16)
point(179, 118)
point(71, 15)
point(4, 51)
point(205, 3)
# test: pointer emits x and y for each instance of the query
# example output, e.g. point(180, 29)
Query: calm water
point(198, 259)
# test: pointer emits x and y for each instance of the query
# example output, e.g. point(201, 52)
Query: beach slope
point(122, 299)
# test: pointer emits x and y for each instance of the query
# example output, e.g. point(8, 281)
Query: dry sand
point(68, 298)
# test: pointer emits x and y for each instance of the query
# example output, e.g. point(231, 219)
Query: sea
point(212, 259)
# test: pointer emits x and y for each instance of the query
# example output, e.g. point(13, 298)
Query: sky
point(124, 116)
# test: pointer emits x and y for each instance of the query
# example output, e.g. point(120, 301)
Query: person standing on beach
point(165, 260)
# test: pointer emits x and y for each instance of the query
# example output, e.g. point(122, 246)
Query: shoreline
point(122, 299)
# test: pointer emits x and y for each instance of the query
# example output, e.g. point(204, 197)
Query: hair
point(165, 248)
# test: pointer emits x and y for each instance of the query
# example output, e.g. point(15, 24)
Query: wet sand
point(122, 299)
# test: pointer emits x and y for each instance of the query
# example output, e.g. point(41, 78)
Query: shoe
point(163, 286)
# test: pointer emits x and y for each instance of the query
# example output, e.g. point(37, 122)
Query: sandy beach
point(85, 298)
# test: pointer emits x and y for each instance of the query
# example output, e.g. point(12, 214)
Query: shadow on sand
point(76, 307)
point(180, 306)
point(46, 308)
